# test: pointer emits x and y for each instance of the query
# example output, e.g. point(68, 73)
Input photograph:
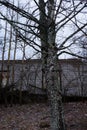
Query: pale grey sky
point(65, 31)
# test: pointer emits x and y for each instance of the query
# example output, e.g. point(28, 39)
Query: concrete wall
point(74, 77)
point(28, 75)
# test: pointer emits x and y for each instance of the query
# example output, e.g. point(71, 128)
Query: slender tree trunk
point(4, 94)
point(2, 67)
point(9, 51)
point(44, 45)
point(14, 57)
point(21, 82)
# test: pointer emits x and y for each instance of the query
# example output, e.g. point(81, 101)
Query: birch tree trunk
point(54, 92)
point(53, 82)
point(50, 70)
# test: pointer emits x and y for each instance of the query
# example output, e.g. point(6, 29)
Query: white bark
point(53, 83)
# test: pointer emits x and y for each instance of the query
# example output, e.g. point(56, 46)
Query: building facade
point(27, 75)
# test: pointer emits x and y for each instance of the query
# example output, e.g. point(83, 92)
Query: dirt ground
point(37, 116)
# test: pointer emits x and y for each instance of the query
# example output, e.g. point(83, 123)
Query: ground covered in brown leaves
point(37, 116)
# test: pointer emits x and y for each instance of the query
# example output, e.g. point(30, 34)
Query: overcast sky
point(65, 31)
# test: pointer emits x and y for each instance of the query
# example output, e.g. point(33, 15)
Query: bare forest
point(43, 65)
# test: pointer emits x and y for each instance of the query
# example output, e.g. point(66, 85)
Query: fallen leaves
point(37, 116)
